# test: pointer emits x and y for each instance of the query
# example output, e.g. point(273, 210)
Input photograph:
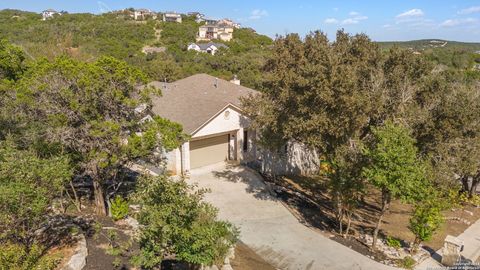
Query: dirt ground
point(247, 259)
point(316, 210)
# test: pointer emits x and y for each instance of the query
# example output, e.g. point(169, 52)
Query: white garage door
point(208, 151)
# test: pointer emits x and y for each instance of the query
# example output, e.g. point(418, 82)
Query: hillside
point(424, 44)
point(87, 37)
point(447, 54)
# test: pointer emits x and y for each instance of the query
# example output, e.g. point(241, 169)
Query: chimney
point(235, 80)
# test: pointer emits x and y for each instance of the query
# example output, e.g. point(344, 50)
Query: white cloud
point(457, 22)
point(331, 21)
point(258, 14)
point(349, 21)
point(470, 10)
point(335, 9)
point(387, 25)
point(410, 13)
point(355, 19)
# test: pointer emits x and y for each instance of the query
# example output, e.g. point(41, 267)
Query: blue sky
point(381, 20)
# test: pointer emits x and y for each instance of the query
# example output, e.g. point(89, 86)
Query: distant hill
point(423, 44)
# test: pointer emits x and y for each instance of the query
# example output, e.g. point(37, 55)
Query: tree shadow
point(245, 175)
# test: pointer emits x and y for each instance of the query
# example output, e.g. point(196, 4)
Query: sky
point(385, 20)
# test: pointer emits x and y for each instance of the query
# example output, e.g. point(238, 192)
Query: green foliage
point(394, 166)
point(175, 220)
point(119, 208)
point(393, 242)
point(426, 219)
point(18, 257)
point(28, 184)
point(11, 61)
point(407, 262)
point(93, 104)
point(79, 35)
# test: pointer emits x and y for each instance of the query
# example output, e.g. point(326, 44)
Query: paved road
point(269, 228)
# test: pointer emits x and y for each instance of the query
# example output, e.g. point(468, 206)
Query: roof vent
point(235, 80)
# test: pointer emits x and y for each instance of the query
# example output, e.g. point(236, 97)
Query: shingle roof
point(204, 46)
point(194, 100)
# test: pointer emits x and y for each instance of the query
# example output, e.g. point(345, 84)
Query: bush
point(118, 208)
point(393, 242)
point(14, 256)
point(425, 221)
point(175, 219)
point(407, 263)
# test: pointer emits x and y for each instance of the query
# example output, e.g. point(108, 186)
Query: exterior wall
point(193, 47)
point(298, 159)
point(227, 120)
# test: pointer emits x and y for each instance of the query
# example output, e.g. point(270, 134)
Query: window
point(245, 140)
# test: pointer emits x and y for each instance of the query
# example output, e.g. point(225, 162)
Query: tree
point(88, 109)
point(11, 61)
point(175, 220)
point(325, 95)
point(28, 185)
point(449, 132)
point(394, 168)
point(425, 220)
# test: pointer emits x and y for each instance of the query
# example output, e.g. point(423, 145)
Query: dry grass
point(314, 205)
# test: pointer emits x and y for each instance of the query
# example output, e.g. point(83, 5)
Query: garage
point(208, 151)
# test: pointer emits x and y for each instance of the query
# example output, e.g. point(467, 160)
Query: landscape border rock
point(79, 258)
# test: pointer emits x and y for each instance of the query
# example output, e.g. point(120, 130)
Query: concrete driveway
point(268, 227)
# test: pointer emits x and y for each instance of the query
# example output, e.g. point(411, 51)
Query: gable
point(228, 119)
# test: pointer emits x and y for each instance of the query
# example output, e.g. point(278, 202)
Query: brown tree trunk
point(349, 223)
point(415, 245)
point(76, 200)
point(100, 207)
point(473, 187)
point(385, 204)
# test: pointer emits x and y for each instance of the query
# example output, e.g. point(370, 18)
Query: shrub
point(15, 256)
point(425, 221)
point(393, 242)
point(407, 263)
point(175, 219)
point(118, 208)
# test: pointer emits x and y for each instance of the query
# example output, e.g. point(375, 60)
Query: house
point(210, 47)
point(209, 109)
point(229, 23)
point(208, 32)
point(172, 17)
point(49, 13)
point(199, 17)
point(210, 21)
point(143, 14)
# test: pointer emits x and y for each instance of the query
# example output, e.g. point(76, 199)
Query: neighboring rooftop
point(194, 100)
point(204, 46)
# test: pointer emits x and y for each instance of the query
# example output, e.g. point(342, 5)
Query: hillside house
point(172, 17)
point(208, 32)
point(229, 23)
point(210, 111)
point(144, 14)
point(49, 13)
point(199, 17)
point(210, 48)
